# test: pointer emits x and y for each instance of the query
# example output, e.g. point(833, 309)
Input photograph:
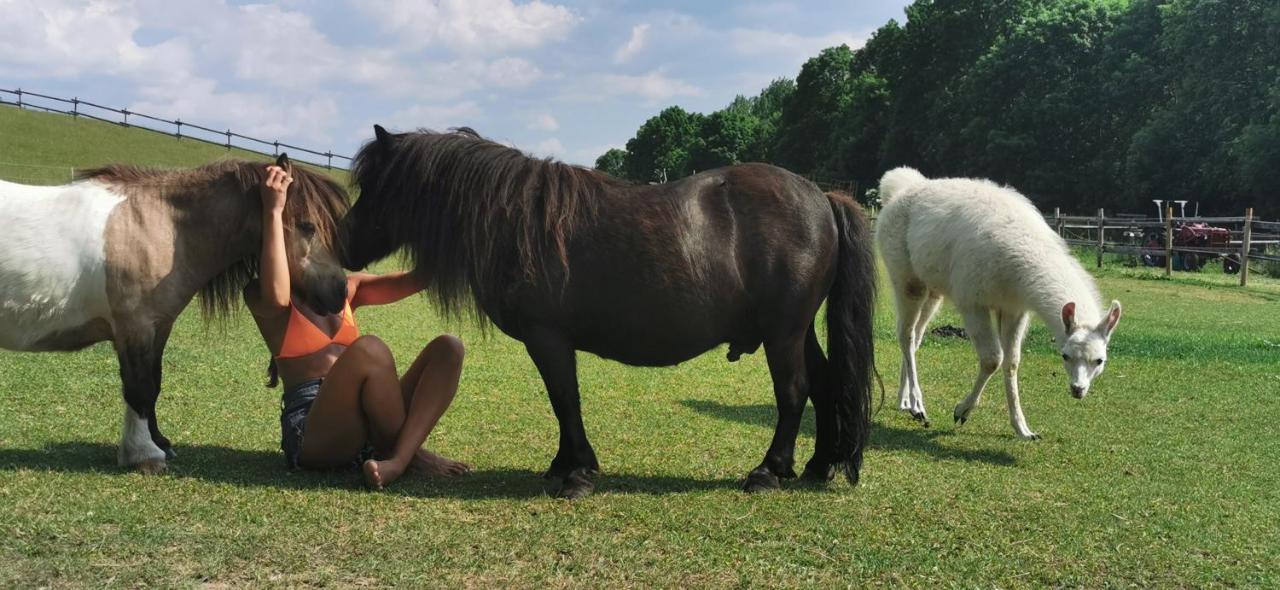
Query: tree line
point(1077, 103)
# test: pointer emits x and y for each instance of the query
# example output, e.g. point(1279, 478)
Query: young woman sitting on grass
point(343, 403)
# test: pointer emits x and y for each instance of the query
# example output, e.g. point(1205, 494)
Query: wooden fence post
point(1244, 247)
point(1102, 220)
point(1168, 241)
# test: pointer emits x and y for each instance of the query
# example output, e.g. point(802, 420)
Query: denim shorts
point(295, 404)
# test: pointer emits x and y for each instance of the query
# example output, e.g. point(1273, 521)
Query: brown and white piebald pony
point(119, 253)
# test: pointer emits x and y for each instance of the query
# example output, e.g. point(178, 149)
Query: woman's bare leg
point(437, 371)
point(359, 402)
point(425, 461)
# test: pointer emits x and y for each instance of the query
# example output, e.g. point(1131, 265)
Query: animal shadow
point(252, 468)
point(883, 436)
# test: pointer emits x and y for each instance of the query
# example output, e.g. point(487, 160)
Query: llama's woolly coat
point(979, 245)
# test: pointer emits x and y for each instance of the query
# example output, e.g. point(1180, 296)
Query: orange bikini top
point(302, 337)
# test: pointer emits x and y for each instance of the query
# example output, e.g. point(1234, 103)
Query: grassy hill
point(1165, 476)
point(44, 148)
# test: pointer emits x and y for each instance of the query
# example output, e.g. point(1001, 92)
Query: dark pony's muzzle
point(330, 297)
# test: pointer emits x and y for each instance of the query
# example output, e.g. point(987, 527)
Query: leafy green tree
point(809, 118)
point(729, 136)
point(1026, 113)
point(1200, 144)
point(664, 145)
point(613, 163)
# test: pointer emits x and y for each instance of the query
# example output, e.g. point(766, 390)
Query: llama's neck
point(1053, 288)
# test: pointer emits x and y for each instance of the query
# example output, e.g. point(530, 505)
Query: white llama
point(989, 250)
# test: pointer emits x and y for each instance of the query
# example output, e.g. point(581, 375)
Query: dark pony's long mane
point(475, 215)
point(313, 197)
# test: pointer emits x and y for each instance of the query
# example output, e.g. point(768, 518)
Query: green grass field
point(1165, 476)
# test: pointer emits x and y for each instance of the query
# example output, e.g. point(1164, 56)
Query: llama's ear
point(1069, 316)
point(1110, 322)
point(380, 135)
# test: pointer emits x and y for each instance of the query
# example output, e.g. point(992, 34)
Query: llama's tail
point(850, 306)
point(898, 181)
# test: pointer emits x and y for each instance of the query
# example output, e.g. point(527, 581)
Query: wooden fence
point(1152, 240)
point(178, 128)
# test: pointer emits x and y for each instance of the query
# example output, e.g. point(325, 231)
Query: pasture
point(1165, 475)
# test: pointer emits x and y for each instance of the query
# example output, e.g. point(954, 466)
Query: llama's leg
point(930, 307)
point(977, 322)
point(910, 303)
point(1012, 328)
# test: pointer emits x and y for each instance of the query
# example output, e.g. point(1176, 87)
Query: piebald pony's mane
point(313, 197)
point(476, 215)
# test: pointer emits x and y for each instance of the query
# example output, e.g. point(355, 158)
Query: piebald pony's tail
point(898, 181)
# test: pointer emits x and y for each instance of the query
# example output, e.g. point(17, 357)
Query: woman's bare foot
point(428, 463)
point(380, 474)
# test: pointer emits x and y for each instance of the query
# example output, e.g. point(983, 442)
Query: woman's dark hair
point(273, 373)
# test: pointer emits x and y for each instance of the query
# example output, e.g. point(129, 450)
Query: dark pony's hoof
point(818, 474)
point(577, 484)
point(761, 480)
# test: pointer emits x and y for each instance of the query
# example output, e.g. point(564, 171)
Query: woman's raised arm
point(273, 286)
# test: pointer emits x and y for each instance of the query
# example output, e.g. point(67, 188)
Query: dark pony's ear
point(283, 161)
point(380, 135)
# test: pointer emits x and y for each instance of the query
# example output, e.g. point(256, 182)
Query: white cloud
point(764, 10)
point(639, 36)
point(471, 26)
point(547, 147)
point(254, 114)
point(432, 116)
point(65, 40)
point(544, 122)
point(654, 86)
point(760, 42)
point(512, 72)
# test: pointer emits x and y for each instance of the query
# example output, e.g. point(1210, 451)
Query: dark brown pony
point(563, 259)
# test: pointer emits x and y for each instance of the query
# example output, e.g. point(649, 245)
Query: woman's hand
point(275, 190)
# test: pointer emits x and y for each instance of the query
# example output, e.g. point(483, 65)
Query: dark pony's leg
point(138, 358)
point(787, 367)
point(821, 468)
point(575, 462)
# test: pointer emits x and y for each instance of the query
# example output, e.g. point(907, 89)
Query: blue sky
point(567, 78)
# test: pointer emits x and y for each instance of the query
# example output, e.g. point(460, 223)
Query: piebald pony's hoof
point(152, 467)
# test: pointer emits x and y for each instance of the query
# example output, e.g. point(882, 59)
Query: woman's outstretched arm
point(382, 289)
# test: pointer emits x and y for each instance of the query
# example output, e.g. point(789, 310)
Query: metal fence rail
point(22, 99)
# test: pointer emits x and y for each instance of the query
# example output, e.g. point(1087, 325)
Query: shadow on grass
point(256, 468)
point(884, 437)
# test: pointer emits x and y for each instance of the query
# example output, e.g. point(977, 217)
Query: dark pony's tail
point(850, 308)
